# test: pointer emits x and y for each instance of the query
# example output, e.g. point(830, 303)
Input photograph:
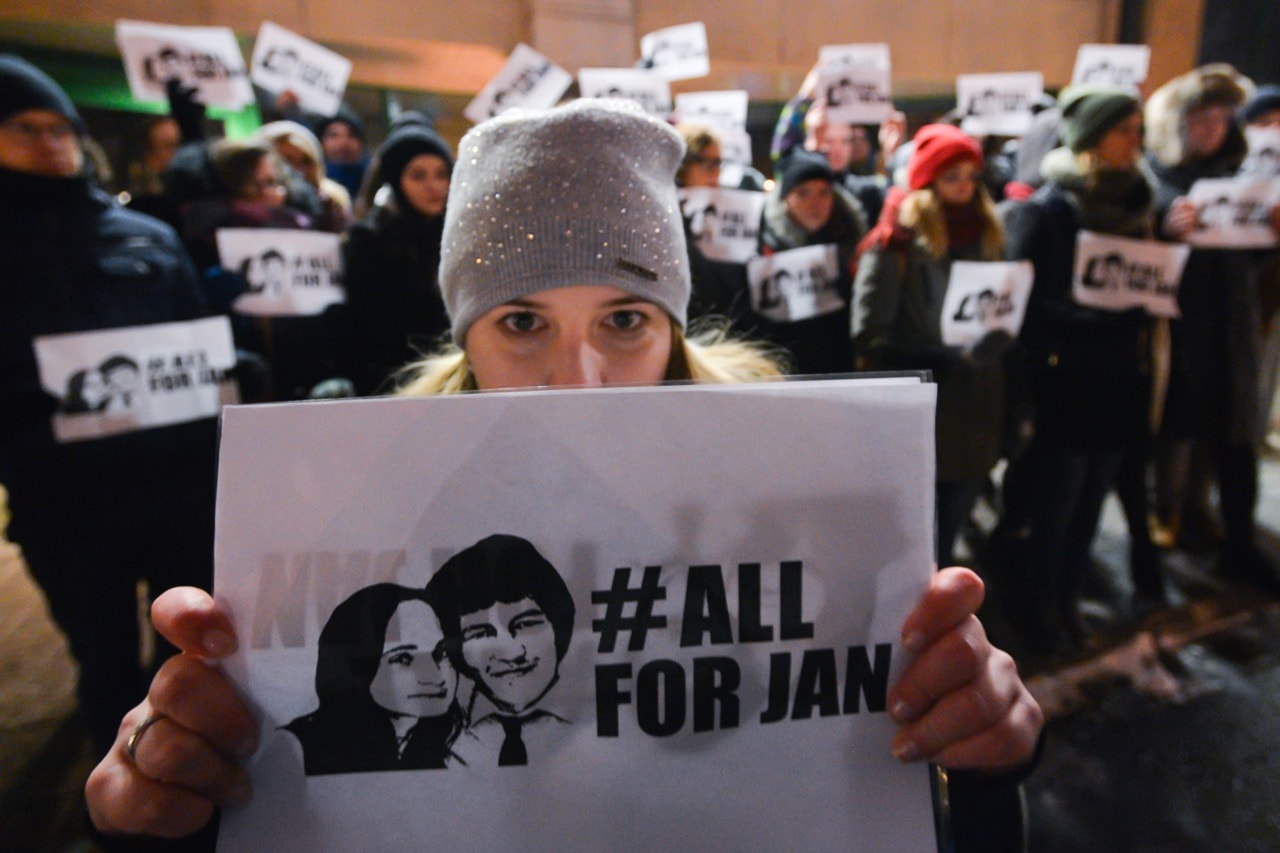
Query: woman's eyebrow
point(401, 648)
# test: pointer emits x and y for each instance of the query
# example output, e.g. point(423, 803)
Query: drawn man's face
point(273, 273)
point(512, 648)
point(414, 677)
point(123, 379)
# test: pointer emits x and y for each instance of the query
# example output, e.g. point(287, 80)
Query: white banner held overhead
point(1118, 273)
point(797, 284)
point(1234, 213)
point(285, 61)
point(1263, 159)
point(646, 88)
point(983, 297)
point(998, 104)
point(724, 223)
point(207, 58)
point(866, 56)
point(1122, 65)
point(692, 644)
point(720, 110)
point(856, 95)
point(677, 53)
point(528, 80)
point(290, 273)
point(115, 381)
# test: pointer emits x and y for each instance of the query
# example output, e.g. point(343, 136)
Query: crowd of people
point(1083, 401)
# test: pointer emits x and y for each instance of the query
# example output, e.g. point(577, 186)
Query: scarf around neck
point(1110, 201)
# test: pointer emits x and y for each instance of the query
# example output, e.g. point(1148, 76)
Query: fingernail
point(901, 711)
point(218, 643)
point(239, 792)
point(906, 750)
point(913, 641)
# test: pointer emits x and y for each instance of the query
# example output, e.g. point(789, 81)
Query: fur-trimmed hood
point(1166, 109)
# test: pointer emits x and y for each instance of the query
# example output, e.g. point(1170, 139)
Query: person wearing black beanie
point(342, 138)
point(93, 516)
point(394, 310)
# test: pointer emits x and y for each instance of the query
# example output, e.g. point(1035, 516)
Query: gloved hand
point(185, 109)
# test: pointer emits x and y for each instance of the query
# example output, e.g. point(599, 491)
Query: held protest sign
point(207, 58)
point(640, 655)
point(1234, 213)
point(646, 88)
point(284, 61)
point(528, 79)
point(1122, 65)
point(855, 83)
point(998, 104)
point(983, 297)
point(1117, 273)
point(725, 223)
point(1263, 159)
point(797, 284)
point(724, 110)
point(677, 53)
point(290, 273)
point(122, 380)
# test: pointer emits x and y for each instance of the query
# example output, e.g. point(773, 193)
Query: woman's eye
point(401, 659)
point(626, 320)
point(521, 321)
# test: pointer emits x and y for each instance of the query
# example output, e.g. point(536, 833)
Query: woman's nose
point(577, 362)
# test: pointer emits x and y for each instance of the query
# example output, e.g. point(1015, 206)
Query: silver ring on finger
point(131, 745)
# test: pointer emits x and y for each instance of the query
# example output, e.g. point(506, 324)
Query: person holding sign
point(903, 272)
point(93, 516)
point(394, 312)
point(549, 282)
point(810, 316)
point(1089, 371)
point(1212, 410)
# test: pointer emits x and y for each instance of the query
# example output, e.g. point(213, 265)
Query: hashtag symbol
point(615, 600)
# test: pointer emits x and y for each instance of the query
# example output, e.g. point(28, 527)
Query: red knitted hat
point(938, 146)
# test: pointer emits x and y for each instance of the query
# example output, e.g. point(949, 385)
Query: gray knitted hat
point(581, 194)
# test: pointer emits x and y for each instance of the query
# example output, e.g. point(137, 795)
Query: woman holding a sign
point(1089, 365)
point(392, 256)
point(564, 264)
point(902, 283)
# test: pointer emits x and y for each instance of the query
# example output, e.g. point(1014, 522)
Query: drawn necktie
point(513, 752)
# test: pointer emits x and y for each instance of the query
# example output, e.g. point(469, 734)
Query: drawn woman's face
point(94, 391)
point(414, 677)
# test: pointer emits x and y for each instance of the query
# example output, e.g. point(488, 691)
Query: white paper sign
point(856, 95)
point(1263, 160)
point(1234, 213)
point(285, 61)
point(998, 104)
point(123, 380)
point(528, 79)
point(720, 110)
point(686, 647)
point(865, 56)
point(290, 273)
point(725, 223)
point(646, 88)
point(983, 297)
point(1122, 65)
point(677, 53)
point(207, 58)
point(795, 285)
point(1118, 273)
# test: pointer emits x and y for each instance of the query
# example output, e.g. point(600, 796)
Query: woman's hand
point(1181, 219)
point(188, 736)
point(960, 702)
